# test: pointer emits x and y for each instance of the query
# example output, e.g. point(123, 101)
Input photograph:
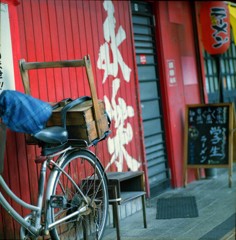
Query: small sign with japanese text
point(171, 72)
point(143, 59)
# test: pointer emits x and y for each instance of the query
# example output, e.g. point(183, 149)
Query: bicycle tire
point(87, 172)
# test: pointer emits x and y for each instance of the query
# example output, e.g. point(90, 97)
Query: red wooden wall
point(51, 30)
point(69, 29)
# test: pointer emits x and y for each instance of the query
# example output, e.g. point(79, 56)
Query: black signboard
point(208, 131)
point(209, 135)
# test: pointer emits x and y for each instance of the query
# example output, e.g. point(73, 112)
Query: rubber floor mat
point(177, 207)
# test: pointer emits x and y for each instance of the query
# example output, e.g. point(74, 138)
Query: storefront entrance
point(149, 83)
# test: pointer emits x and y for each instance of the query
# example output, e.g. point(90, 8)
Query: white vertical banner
point(7, 79)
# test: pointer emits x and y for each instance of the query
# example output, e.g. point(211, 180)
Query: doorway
point(149, 85)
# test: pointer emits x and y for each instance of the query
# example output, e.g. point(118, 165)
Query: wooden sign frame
point(194, 125)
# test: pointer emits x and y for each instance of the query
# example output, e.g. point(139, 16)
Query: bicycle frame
point(37, 210)
point(37, 228)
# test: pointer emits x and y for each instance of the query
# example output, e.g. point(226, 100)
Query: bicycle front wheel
point(86, 171)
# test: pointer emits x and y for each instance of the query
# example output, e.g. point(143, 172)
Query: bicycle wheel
point(84, 168)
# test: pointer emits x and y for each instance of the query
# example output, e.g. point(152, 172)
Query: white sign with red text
point(119, 111)
point(7, 80)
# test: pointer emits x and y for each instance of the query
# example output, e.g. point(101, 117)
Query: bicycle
point(73, 202)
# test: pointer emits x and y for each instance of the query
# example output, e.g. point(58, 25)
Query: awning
point(232, 13)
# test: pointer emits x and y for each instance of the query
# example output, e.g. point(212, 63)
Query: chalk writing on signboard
point(207, 135)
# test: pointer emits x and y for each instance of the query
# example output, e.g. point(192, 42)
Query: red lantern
point(215, 25)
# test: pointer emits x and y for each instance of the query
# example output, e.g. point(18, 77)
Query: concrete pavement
point(216, 204)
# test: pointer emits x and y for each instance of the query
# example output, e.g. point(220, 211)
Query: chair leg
point(144, 212)
point(113, 211)
point(116, 222)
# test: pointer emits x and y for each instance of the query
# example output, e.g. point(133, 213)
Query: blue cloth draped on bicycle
point(23, 113)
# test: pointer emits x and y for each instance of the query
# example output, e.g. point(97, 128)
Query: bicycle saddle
point(53, 135)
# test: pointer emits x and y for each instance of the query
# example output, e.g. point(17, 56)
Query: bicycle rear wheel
point(84, 168)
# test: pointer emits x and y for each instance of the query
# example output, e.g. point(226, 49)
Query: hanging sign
point(7, 80)
point(215, 25)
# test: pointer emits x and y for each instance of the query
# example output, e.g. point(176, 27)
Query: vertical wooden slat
point(87, 38)
point(83, 89)
point(133, 89)
point(124, 85)
point(93, 33)
point(7, 227)
point(71, 79)
point(107, 86)
point(77, 79)
point(40, 76)
point(23, 170)
point(13, 174)
point(30, 54)
point(97, 29)
point(54, 39)
point(1, 223)
point(47, 48)
point(83, 40)
point(139, 134)
point(22, 37)
point(62, 46)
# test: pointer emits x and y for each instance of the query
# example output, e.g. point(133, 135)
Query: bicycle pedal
point(58, 201)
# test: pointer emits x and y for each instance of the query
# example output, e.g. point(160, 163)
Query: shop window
point(227, 74)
